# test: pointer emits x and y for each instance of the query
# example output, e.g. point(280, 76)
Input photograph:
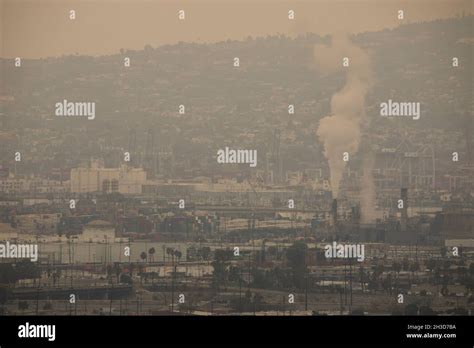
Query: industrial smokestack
point(404, 213)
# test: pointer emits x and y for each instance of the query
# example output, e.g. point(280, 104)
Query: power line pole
point(345, 282)
point(172, 285)
point(350, 284)
point(240, 291)
point(306, 294)
point(37, 299)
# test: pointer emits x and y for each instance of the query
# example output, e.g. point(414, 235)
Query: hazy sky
point(42, 28)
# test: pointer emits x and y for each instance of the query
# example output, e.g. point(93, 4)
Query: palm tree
point(23, 305)
point(170, 252)
point(178, 254)
point(415, 266)
point(431, 264)
point(117, 270)
point(143, 256)
point(151, 251)
point(361, 277)
point(397, 267)
point(5, 293)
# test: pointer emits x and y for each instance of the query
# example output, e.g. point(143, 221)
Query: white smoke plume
point(341, 130)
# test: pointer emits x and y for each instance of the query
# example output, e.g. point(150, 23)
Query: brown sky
point(42, 28)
